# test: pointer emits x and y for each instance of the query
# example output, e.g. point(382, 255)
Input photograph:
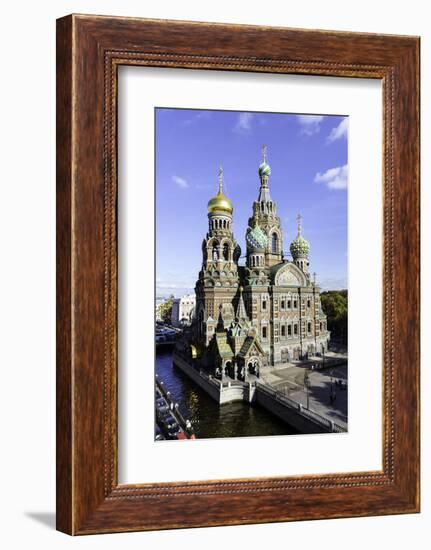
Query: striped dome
point(264, 169)
point(256, 238)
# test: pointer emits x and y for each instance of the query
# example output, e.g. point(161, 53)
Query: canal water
point(210, 419)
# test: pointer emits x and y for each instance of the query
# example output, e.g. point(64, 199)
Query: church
point(261, 314)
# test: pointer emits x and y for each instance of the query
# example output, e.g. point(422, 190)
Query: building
point(182, 310)
point(264, 313)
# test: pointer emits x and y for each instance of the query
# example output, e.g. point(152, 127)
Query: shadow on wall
point(45, 518)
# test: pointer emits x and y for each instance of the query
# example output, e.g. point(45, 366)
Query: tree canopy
point(335, 305)
point(165, 309)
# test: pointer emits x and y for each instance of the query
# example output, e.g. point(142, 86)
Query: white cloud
point(334, 178)
point(310, 124)
point(181, 182)
point(339, 131)
point(243, 124)
point(196, 117)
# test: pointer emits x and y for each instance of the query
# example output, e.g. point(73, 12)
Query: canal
point(209, 419)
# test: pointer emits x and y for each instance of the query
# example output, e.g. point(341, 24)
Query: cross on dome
point(298, 219)
point(220, 203)
point(220, 179)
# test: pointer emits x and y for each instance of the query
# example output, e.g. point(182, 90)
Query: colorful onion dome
point(220, 203)
point(299, 248)
point(264, 167)
point(256, 238)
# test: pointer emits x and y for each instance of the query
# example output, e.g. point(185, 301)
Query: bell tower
point(218, 278)
point(219, 248)
point(265, 216)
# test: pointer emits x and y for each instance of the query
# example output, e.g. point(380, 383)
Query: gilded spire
point(220, 203)
point(220, 180)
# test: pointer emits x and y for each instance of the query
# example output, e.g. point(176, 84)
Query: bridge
point(166, 336)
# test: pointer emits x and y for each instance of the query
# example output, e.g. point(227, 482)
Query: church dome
point(264, 169)
point(220, 203)
point(299, 247)
point(256, 238)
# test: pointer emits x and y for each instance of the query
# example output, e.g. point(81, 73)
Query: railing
point(309, 413)
point(210, 378)
point(174, 408)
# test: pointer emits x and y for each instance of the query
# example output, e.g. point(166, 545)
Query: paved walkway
point(289, 379)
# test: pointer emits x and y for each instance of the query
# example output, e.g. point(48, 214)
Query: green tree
point(166, 309)
point(335, 305)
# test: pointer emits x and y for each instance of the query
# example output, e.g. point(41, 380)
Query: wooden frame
point(89, 51)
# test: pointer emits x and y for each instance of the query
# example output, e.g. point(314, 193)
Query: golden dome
point(220, 203)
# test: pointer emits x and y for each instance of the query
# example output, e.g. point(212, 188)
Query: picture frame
point(89, 51)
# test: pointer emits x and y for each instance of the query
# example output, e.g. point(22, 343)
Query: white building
point(182, 310)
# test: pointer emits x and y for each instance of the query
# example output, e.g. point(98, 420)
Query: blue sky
point(308, 158)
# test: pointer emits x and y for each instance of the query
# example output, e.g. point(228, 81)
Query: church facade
point(266, 312)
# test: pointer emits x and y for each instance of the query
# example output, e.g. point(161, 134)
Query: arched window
point(226, 252)
point(215, 251)
point(274, 243)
